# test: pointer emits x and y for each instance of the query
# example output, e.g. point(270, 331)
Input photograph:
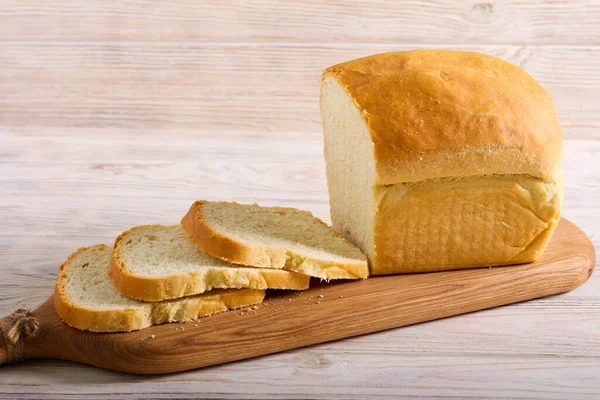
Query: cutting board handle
point(3, 352)
point(15, 329)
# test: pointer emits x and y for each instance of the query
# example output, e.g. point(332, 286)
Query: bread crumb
point(341, 296)
point(289, 299)
point(254, 307)
point(152, 336)
point(318, 302)
point(196, 325)
point(321, 296)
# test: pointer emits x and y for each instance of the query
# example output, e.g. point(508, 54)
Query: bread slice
point(85, 298)
point(273, 237)
point(157, 262)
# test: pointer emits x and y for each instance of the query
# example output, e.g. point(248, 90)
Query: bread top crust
point(440, 113)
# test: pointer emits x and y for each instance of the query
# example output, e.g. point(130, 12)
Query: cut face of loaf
point(85, 298)
point(157, 262)
point(440, 160)
point(273, 237)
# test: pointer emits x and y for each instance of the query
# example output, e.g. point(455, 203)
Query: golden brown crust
point(136, 287)
point(188, 284)
point(215, 244)
point(89, 319)
point(439, 113)
point(225, 248)
point(145, 315)
point(213, 302)
point(463, 223)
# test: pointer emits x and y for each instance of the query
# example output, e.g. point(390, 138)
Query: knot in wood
point(483, 12)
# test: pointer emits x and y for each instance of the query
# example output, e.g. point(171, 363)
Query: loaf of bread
point(157, 262)
point(441, 160)
point(273, 237)
point(85, 298)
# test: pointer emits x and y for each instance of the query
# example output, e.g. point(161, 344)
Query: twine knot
point(16, 328)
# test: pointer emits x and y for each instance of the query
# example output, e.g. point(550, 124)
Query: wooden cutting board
point(323, 313)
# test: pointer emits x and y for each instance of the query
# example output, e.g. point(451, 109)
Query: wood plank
point(325, 312)
point(246, 89)
point(349, 370)
point(381, 21)
point(97, 182)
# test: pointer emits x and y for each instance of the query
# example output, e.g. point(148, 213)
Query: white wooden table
point(120, 113)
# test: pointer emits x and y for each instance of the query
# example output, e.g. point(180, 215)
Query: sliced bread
point(273, 237)
point(85, 298)
point(157, 262)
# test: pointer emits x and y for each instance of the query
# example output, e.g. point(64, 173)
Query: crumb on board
point(321, 296)
point(152, 336)
point(341, 296)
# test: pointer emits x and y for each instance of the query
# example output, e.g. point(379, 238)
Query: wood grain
point(51, 182)
point(325, 312)
point(119, 113)
point(380, 21)
point(135, 181)
point(236, 88)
